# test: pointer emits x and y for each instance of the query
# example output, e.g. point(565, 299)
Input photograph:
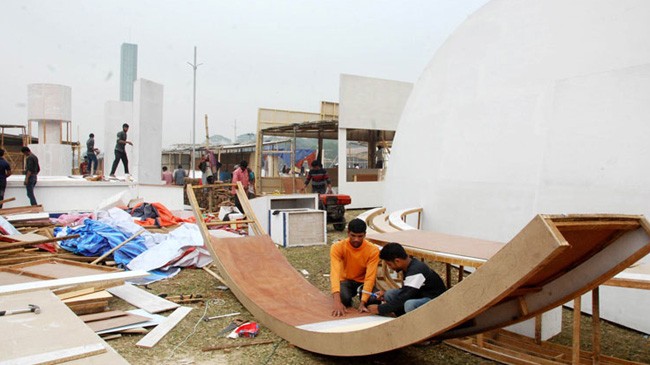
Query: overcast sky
point(269, 54)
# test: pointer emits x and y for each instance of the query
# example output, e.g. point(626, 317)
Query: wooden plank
point(100, 316)
point(76, 293)
point(142, 299)
point(109, 252)
point(27, 217)
point(57, 283)
point(24, 209)
point(60, 268)
point(89, 298)
point(114, 322)
point(153, 337)
point(237, 345)
point(58, 356)
point(575, 356)
point(3, 201)
point(28, 241)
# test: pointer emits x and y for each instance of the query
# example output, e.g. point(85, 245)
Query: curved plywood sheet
point(536, 270)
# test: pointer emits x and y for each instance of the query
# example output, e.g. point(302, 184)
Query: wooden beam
point(23, 209)
point(142, 299)
point(109, 252)
point(57, 283)
point(237, 345)
point(153, 337)
point(595, 318)
point(575, 354)
point(7, 200)
point(37, 242)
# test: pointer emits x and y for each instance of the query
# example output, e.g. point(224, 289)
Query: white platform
point(65, 194)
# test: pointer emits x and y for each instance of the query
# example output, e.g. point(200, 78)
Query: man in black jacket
point(421, 284)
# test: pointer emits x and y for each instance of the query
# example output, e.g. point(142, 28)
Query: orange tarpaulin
point(165, 218)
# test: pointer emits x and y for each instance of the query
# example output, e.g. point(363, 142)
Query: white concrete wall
point(146, 132)
point(54, 159)
point(116, 113)
point(371, 103)
point(367, 103)
point(49, 102)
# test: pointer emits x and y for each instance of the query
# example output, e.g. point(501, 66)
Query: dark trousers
point(31, 182)
point(3, 186)
point(350, 289)
point(120, 155)
point(92, 163)
point(238, 205)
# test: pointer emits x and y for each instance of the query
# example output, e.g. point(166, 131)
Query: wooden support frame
point(510, 348)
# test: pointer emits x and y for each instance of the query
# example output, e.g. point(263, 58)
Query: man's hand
point(373, 309)
point(339, 310)
point(25, 183)
point(362, 308)
point(129, 142)
point(380, 295)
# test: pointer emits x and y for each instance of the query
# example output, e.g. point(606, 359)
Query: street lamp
point(193, 158)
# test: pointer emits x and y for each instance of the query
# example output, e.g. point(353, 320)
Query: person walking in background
point(5, 172)
point(31, 171)
point(179, 176)
point(166, 176)
point(120, 150)
point(320, 181)
point(91, 152)
point(240, 175)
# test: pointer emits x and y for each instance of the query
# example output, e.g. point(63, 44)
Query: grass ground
point(183, 345)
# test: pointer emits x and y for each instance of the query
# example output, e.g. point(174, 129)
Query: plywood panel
point(142, 299)
point(55, 321)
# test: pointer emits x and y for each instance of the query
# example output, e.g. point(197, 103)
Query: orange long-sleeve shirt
point(358, 264)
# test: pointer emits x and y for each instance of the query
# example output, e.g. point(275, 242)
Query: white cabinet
point(263, 206)
point(298, 227)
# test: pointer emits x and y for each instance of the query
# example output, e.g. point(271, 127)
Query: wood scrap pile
point(32, 238)
point(212, 197)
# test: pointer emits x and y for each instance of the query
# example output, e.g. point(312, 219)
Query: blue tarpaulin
point(300, 154)
point(96, 238)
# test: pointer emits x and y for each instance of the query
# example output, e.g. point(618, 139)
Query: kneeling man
point(421, 284)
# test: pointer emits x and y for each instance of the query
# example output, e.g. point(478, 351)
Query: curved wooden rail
point(397, 219)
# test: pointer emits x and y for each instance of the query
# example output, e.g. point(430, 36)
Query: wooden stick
point(37, 242)
point(253, 343)
point(215, 275)
point(7, 200)
point(100, 258)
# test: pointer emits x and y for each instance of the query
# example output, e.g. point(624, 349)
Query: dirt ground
point(184, 344)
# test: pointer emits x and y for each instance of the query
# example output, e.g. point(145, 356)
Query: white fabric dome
point(529, 107)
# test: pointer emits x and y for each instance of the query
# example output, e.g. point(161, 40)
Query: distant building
point(128, 70)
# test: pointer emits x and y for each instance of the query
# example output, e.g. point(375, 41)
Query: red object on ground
point(341, 199)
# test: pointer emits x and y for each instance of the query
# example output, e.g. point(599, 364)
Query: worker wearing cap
point(353, 265)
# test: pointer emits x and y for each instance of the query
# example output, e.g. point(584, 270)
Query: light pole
point(193, 158)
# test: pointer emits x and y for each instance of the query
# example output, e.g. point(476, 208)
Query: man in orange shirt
point(353, 266)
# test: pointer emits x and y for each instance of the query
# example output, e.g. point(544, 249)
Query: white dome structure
point(529, 107)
